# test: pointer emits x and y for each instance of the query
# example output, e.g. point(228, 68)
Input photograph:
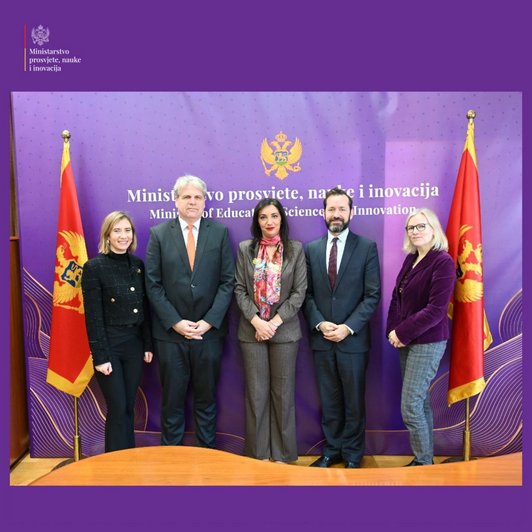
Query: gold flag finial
point(66, 135)
point(471, 115)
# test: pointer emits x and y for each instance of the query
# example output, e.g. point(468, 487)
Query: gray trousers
point(419, 365)
point(270, 370)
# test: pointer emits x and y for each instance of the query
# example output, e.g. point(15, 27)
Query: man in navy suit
point(189, 282)
point(342, 295)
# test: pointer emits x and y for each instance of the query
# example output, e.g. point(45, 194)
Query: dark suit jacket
point(354, 297)
point(114, 297)
point(293, 288)
point(175, 292)
point(418, 312)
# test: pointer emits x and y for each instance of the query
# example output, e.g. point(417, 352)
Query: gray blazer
point(293, 288)
point(354, 298)
point(175, 292)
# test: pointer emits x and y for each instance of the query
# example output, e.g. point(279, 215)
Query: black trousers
point(196, 362)
point(341, 382)
point(120, 389)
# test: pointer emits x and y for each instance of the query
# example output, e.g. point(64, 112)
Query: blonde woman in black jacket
point(118, 325)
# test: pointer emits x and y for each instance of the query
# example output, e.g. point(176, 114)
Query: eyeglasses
point(419, 228)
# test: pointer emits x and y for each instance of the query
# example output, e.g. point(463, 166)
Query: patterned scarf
point(267, 276)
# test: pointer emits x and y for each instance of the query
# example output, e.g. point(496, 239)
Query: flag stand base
point(77, 441)
point(466, 457)
point(64, 463)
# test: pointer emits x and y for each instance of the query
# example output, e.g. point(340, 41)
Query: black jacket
point(114, 296)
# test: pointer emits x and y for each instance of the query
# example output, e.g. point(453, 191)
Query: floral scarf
point(267, 276)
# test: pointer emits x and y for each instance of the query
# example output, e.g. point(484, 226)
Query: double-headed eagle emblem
point(469, 286)
point(40, 35)
point(277, 154)
point(71, 255)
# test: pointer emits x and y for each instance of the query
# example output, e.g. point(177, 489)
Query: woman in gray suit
point(271, 282)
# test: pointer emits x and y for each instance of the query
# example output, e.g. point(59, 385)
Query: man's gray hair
point(185, 180)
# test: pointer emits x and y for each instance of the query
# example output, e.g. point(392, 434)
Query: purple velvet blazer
point(418, 309)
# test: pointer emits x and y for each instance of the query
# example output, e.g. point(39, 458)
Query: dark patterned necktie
point(332, 262)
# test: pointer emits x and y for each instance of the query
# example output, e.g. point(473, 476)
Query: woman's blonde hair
point(107, 226)
point(440, 242)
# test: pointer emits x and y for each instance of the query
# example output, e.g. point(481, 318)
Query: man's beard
point(336, 226)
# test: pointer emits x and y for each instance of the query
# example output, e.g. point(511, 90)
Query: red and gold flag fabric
point(69, 362)
point(471, 335)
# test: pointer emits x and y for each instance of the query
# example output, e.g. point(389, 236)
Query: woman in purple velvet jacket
point(418, 325)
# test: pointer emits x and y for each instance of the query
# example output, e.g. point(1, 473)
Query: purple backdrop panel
point(392, 151)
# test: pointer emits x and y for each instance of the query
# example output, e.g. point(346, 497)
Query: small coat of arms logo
point(469, 286)
point(281, 154)
point(71, 254)
point(40, 35)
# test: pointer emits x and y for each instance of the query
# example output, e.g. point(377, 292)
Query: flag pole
point(467, 434)
point(76, 457)
point(467, 429)
point(466, 441)
point(77, 440)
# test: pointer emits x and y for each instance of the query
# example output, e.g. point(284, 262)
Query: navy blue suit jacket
point(176, 292)
point(353, 299)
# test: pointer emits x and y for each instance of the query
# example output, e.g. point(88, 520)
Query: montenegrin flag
point(471, 335)
point(69, 362)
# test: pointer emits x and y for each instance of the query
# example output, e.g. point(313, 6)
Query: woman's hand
point(394, 340)
point(264, 330)
point(148, 356)
point(106, 368)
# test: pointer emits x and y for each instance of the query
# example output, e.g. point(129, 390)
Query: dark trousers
point(341, 383)
point(119, 390)
point(196, 362)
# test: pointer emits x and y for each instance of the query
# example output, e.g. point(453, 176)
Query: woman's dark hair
point(256, 231)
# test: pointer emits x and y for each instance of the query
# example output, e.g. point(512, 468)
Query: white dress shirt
point(340, 246)
point(195, 231)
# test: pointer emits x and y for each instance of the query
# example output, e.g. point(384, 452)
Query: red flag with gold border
point(471, 335)
point(69, 362)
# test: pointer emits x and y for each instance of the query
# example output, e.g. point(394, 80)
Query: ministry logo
point(282, 154)
point(40, 35)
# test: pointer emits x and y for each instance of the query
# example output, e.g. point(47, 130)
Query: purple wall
point(126, 147)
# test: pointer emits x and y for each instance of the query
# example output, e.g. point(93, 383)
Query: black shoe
point(327, 461)
point(352, 465)
point(415, 462)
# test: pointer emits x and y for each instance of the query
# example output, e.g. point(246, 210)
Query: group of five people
point(187, 284)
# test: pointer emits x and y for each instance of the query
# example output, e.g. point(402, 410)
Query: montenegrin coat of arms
point(40, 35)
point(282, 155)
point(71, 254)
point(469, 285)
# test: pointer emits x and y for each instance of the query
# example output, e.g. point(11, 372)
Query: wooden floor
point(192, 466)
